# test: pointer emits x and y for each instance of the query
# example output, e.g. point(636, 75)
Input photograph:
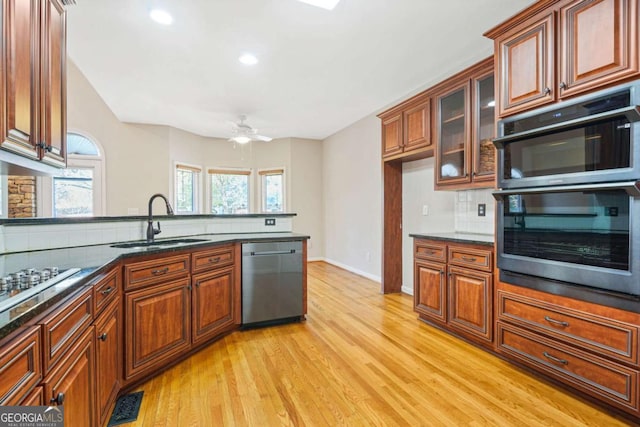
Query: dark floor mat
point(127, 408)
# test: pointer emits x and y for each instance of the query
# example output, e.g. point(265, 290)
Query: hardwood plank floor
point(360, 358)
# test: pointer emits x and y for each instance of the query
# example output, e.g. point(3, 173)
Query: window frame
point(197, 190)
point(261, 176)
point(229, 171)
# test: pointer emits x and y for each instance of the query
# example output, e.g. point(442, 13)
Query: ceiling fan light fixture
point(325, 4)
point(241, 139)
point(161, 16)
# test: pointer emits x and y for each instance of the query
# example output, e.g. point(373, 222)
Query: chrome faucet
point(151, 231)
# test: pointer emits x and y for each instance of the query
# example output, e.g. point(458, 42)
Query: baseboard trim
point(406, 290)
point(369, 276)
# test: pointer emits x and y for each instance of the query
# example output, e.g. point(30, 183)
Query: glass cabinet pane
point(452, 134)
point(484, 154)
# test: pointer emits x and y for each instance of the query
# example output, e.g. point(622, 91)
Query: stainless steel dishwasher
point(271, 282)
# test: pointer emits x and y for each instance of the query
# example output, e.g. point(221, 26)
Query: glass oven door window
point(581, 227)
point(599, 146)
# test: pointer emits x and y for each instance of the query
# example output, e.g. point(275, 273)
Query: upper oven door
point(590, 140)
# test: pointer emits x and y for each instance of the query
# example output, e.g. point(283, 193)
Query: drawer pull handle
point(214, 260)
point(107, 291)
point(103, 337)
point(469, 259)
point(555, 359)
point(557, 322)
point(160, 271)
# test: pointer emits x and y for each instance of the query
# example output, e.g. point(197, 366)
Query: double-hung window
point(272, 190)
point(229, 191)
point(187, 190)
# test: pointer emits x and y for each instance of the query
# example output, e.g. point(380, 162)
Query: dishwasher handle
point(291, 251)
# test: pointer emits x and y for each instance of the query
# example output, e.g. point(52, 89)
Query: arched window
point(79, 189)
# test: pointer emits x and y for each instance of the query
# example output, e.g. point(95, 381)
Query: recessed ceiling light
point(325, 4)
point(161, 16)
point(248, 59)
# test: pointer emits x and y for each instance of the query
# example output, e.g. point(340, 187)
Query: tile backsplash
point(21, 238)
point(466, 211)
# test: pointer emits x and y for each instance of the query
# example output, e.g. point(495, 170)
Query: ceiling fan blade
point(262, 138)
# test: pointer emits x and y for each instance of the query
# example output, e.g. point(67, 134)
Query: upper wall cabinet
point(560, 48)
point(33, 89)
point(464, 119)
point(406, 130)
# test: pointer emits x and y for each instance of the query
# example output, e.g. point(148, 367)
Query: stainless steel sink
point(156, 243)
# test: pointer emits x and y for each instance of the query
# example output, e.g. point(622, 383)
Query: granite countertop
point(478, 239)
point(94, 260)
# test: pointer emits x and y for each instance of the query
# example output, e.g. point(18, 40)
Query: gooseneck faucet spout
point(151, 231)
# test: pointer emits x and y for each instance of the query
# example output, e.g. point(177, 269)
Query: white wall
point(417, 191)
point(353, 197)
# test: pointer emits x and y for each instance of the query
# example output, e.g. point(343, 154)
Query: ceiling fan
point(243, 133)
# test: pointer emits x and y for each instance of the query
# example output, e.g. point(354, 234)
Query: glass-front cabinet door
point(484, 152)
point(453, 124)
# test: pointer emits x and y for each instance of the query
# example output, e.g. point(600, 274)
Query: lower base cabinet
point(35, 398)
point(212, 303)
point(71, 382)
point(158, 326)
point(109, 354)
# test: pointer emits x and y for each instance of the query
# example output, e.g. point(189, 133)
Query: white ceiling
point(319, 70)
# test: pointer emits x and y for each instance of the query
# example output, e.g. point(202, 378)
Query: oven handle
point(632, 113)
point(631, 187)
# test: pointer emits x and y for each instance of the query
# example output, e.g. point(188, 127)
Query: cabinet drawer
point(145, 273)
point(105, 290)
point(214, 258)
point(608, 337)
point(20, 367)
point(61, 328)
point(478, 259)
point(432, 251)
point(613, 383)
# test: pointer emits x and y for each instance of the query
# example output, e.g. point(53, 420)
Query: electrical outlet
point(482, 209)
point(269, 221)
point(425, 210)
point(611, 211)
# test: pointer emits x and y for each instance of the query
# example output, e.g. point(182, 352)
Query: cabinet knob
point(563, 85)
point(107, 291)
point(547, 90)
point(214, 260)
point(58, 400)
point(103, 337)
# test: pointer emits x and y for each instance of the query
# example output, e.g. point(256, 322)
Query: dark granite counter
point(91, 262)
point(477, 239)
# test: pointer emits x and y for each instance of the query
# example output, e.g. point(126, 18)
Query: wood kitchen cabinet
point(109, 357)
point(406, 131)
point(552, 51)
point(20, 366)
point(33, 69)
point(158, 325)
point(71, 382)
point(453, 287)
point(212, 303)
point(464, 127)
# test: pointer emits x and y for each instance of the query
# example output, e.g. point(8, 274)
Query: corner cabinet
point(551, 51)
point(453, 287)
point(33, 90)
point(406, 131)
point(464, 120)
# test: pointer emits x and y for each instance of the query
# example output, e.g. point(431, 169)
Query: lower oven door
point(582, 234)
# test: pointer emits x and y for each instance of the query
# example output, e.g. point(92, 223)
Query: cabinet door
point(392, 135)
point(35, 398)
point(212, 303)
point(53, 118)
point(20, 366)
point(430, 291)
point(109, 355)
point(416, 126)
point(598, 44)
point(453, 118)
point(484, 152)
point(526, 66)
point(470, 302)
point(71, 383)
point(19, 71)
point(158, 325)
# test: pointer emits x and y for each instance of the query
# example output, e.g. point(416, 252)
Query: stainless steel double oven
point(569, 193)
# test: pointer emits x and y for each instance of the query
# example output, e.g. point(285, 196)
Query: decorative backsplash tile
point(466, 211)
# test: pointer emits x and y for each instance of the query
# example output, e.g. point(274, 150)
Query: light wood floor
point(360, 359)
